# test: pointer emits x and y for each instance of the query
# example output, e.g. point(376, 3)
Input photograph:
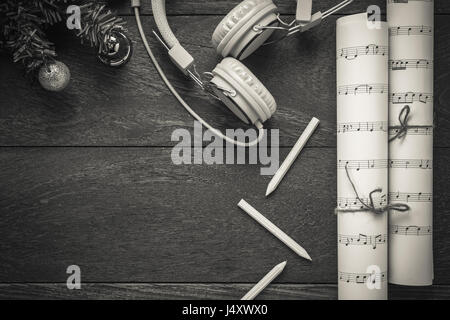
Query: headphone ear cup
point(236, 34)
point(242, 92)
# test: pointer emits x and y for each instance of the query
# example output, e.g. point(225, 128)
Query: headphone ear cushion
point(238, 13)
point(235, 32)
point(252, 97)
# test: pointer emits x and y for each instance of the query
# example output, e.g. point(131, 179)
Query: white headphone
point(239, 34)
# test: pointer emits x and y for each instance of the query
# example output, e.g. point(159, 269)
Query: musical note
point(410, 230)
point(406, 1)
point(354, 89)
point(424, 131)
point(352, 53)
point(362, 278)
point(354, 203)
point(410, 197)
point(380, 164)
point(410, 64)
point(363, 164)
point(411, 164)
point(410, 97)
point(410, 31)
point(362, 127)
point(362, 240)
point(378, 239)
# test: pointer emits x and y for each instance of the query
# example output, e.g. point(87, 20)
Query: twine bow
point(403, 118)
point(401, 207)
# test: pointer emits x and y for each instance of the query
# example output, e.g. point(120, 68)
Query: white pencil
point(264, 282)
point(293, 154)
point(266, 223)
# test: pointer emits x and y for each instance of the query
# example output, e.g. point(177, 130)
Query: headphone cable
point(135, 4)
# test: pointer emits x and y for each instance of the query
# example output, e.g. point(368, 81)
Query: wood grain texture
point(200, 291)
point(130, 215)
point(131, 106)
point(222, 7)
point(138, 225)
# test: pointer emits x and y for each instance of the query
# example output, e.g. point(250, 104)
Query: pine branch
point(50, 9)
point(23, 24)
point(23, 31)
point(97, 22)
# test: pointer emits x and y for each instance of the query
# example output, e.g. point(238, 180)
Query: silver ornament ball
point(54, 76)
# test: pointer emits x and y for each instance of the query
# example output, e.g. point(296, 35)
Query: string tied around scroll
point(403, 118)
point(370, 207)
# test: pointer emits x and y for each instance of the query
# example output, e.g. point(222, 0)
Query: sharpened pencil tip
point(280, 267)
point(307, 256)
point(269, 190)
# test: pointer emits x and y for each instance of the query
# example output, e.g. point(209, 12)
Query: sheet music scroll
point(362, 151)
point(411, 29)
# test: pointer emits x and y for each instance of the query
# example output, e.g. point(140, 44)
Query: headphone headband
point(177, 53)
point(159, 13)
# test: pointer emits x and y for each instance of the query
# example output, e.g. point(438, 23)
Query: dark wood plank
point(201, 291)
point(131, 106)
point(130, 215)
point(195, 7)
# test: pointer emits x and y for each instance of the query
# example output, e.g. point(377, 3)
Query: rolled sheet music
point(411, 33)
point(362, 157)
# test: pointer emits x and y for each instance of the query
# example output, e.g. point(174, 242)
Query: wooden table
point(87, 178)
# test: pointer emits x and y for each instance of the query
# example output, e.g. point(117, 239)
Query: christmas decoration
point(54, 76)
point(23, 26)
point(118, 49)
